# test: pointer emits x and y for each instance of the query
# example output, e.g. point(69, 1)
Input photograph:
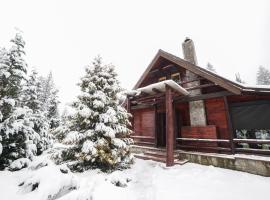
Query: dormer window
point(163, 78)
point(176, 77)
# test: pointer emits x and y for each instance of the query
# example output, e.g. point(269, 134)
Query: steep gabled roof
point(227, 84)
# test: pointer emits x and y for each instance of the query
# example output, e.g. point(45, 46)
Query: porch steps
point(138, 143)
point(156, 154)
point(180, 162)
point(145, 157)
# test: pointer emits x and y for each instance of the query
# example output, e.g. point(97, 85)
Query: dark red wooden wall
point(216, 115)
point(144, 122)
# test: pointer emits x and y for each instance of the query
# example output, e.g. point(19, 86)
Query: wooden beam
point(190, 81)
point(168, 66)
point(154, 71)
point(203, 140)
point(143, 94)
point(142, 137)
point(200, 86)
point(197, 148)
point(149, 96)
point(229, 123)
point(221, 81)
point(141, 106)
point(169, 128)
point(156, 90)
point(201, 96)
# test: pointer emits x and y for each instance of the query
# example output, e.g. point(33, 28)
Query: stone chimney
point(189, 51)
point(196, 108)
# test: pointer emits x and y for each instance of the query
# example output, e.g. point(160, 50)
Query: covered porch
point(160, 96)
point(158, 123)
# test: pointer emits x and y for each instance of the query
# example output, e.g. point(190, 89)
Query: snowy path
point(151, 181)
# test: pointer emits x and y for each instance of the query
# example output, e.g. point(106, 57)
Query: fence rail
point(252, 141)
point(203, 140)
point(231, 148)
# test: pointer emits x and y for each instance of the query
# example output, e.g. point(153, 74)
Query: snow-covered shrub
point(48, 181)
point(19, 164)
point(99, 133)
point(119, 179)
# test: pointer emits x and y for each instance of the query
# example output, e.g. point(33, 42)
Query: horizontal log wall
point(144, 122)
point(216, 115)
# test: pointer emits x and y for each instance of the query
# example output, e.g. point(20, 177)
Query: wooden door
point(161, 129)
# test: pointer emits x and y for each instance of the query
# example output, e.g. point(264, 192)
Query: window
point(251, 121)
point(176, 77)
point(162, 79)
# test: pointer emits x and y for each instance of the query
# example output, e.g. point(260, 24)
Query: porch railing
point(195, 145)
point(196, 141)
point(143, 140)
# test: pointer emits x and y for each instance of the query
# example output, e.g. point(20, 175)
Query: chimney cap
point(187, 39)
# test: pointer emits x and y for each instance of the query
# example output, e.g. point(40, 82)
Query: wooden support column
point(229, 122)
point(169, 127)
point(155, 127)
point(128, 105)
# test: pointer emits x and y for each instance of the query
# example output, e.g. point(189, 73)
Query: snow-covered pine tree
point(263, 76)
point(99, 135)
point(238, 78)
point(31, 97)
point(210, 67)
point(64, 126)
point(16, 129)
point(50, 100)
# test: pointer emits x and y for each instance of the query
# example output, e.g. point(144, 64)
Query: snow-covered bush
point(19, 164)
point(118, 179)
point(47, 181)
point(99, 133)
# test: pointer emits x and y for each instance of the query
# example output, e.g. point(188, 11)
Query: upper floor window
point(162, 79)
point(176, 77)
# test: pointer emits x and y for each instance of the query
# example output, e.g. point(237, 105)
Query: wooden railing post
point(169, 128)
point(128, 106)
point(229, 122)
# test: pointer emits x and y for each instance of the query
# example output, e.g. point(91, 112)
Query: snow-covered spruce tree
point(99, 137)
point(210, 67)
point(238, 78)
point(263, 76)
point(16, 129)
point(49, 97)
point(64, 126)
point(31, 97)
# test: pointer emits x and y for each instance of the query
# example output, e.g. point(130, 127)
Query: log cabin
point(177, 105)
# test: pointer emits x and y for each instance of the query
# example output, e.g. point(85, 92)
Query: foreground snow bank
point(146, 180)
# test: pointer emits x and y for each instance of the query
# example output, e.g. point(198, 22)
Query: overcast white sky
point(64, 36)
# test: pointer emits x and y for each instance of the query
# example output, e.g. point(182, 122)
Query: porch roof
point(161, 87)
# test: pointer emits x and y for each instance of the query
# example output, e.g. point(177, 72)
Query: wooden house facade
point(179, 105)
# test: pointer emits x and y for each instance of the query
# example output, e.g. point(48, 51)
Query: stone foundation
point(251, 164)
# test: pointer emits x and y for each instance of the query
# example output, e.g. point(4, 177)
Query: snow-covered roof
point(161, 86)
point(230, 85)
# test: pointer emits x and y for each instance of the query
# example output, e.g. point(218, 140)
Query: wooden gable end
point(164, 65)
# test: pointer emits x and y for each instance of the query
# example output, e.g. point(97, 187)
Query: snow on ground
point(146, 180)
